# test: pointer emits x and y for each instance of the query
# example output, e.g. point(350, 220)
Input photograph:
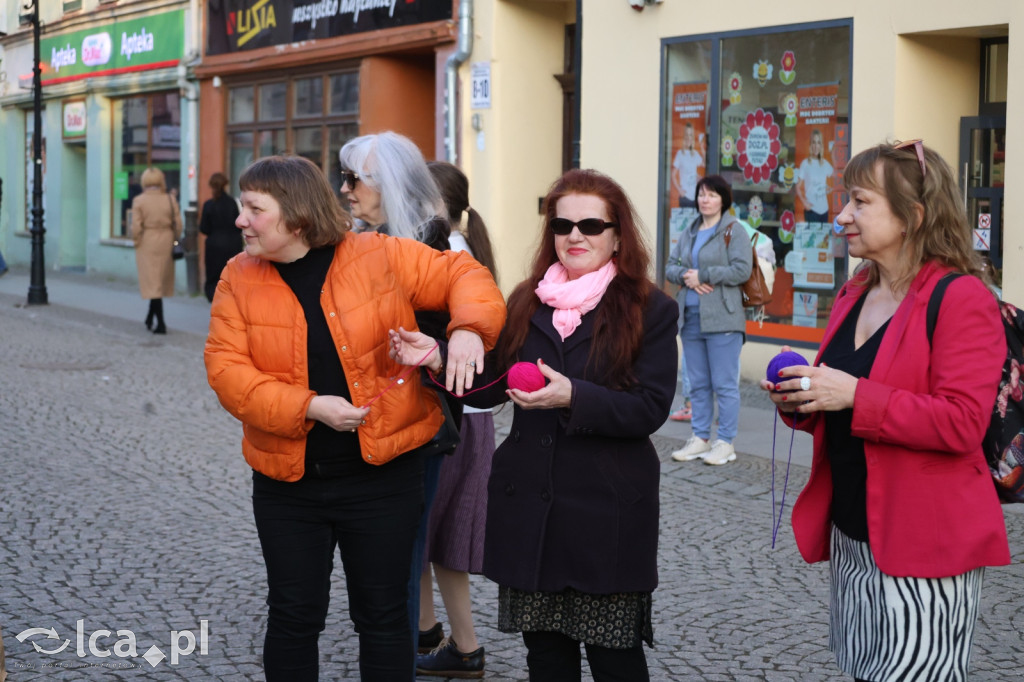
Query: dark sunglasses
point(588, 226)
point(349, 178)
point(918, 146)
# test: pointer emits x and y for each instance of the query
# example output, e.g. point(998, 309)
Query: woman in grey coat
point(710, 274)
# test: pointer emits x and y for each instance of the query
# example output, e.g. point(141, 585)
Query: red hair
point(618, 328)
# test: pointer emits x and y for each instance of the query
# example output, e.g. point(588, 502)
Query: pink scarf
point(572, 299)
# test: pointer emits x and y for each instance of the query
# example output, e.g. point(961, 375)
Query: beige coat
point(156, 223)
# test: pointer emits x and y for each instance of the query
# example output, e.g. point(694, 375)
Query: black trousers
point(554, 657)
point(372, 518)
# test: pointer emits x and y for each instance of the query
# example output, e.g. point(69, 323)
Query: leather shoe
point(447, 661)
point(430, 639)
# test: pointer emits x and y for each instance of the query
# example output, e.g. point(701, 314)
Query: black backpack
point(1003, 444)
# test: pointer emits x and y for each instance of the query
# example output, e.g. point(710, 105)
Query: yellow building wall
point(915, 73)
point(516, 154)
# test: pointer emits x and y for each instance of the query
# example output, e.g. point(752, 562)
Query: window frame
point(292, 123)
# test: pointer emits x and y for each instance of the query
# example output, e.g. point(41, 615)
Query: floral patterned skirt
point(614, 621)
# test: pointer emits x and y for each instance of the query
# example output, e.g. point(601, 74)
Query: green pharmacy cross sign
point(123, 46)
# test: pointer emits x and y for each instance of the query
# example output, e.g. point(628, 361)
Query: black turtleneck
point(328, 452)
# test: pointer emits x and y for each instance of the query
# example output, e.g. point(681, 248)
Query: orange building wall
point(212, 138)
point(397, 93)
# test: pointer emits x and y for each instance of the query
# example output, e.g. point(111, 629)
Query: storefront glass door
point(982, 163)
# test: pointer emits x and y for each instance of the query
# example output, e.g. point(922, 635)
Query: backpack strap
point(935, 301)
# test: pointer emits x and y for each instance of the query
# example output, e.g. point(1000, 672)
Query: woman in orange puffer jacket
point(297, 352)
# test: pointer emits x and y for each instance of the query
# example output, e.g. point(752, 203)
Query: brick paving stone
point(126, 504)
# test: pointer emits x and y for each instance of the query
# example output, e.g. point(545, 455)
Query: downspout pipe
point(463, 48)
point(189, 92)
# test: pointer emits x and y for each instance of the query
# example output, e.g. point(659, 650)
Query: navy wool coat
point(573, 493)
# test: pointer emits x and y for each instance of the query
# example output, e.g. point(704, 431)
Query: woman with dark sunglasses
point(572, 508)
point(710, 272)
point(390, 190)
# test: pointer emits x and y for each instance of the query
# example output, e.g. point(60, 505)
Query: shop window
point(344, 93)
point(293, 117)
point(309, 97)
point(273, 101)
point(241, 105)
point(146, 132)
point(768, 110)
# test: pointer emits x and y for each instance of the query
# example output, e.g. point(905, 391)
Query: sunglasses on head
point(350, 178)
point(918, 146)
point(588, 226)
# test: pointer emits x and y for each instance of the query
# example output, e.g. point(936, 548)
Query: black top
point(329, 453)
point(218, 220)
point(846, 452)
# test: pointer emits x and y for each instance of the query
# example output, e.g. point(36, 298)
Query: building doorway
point(982, 163)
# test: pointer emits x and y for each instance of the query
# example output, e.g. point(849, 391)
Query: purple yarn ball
point(781, 361)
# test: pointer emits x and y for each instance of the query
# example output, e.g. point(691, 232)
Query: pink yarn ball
point(526, 377)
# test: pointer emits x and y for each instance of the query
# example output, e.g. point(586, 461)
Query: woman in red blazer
point(900, 498)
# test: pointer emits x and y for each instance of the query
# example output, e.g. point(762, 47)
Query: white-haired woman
point(390, 190)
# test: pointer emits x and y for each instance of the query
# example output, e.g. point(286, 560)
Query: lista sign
point(237, 25)
point(153, 42)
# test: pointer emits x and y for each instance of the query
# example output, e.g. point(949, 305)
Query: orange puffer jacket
point(256, 350)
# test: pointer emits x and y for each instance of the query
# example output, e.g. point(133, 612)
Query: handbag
point(177, 249)
point(755, 290)
point(447, 437)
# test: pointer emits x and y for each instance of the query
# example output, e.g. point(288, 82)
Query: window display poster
point(689, 142)
point(815, 139)
point(811, 261)
point(805, 309)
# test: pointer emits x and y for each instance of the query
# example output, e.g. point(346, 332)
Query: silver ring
point(805, 383)
point(471, 363)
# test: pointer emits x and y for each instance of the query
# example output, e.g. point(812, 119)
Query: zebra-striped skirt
point(885, 628)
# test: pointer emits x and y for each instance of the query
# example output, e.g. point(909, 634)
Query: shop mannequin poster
point(689, 142)
point(814, 141)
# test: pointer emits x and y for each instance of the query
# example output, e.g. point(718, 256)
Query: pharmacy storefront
point(112, 107)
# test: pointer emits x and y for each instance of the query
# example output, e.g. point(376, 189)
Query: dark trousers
point(431, 479)
point(554, 657)
point(372, 518)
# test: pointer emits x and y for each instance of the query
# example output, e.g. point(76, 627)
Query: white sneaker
point(695, 448)
point(721, 452)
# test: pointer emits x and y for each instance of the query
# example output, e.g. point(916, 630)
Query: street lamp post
point(37, 285)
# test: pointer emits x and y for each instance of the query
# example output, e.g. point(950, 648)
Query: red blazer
point(931, 506)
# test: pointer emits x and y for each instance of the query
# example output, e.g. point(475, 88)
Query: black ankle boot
point(157, 311)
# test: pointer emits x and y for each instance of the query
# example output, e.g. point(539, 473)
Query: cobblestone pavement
point(125, 507)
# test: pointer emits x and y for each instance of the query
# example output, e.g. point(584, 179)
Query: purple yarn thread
point(779, 362)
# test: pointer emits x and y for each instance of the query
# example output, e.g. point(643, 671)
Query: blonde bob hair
point(154, 177)
point(928, 205)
